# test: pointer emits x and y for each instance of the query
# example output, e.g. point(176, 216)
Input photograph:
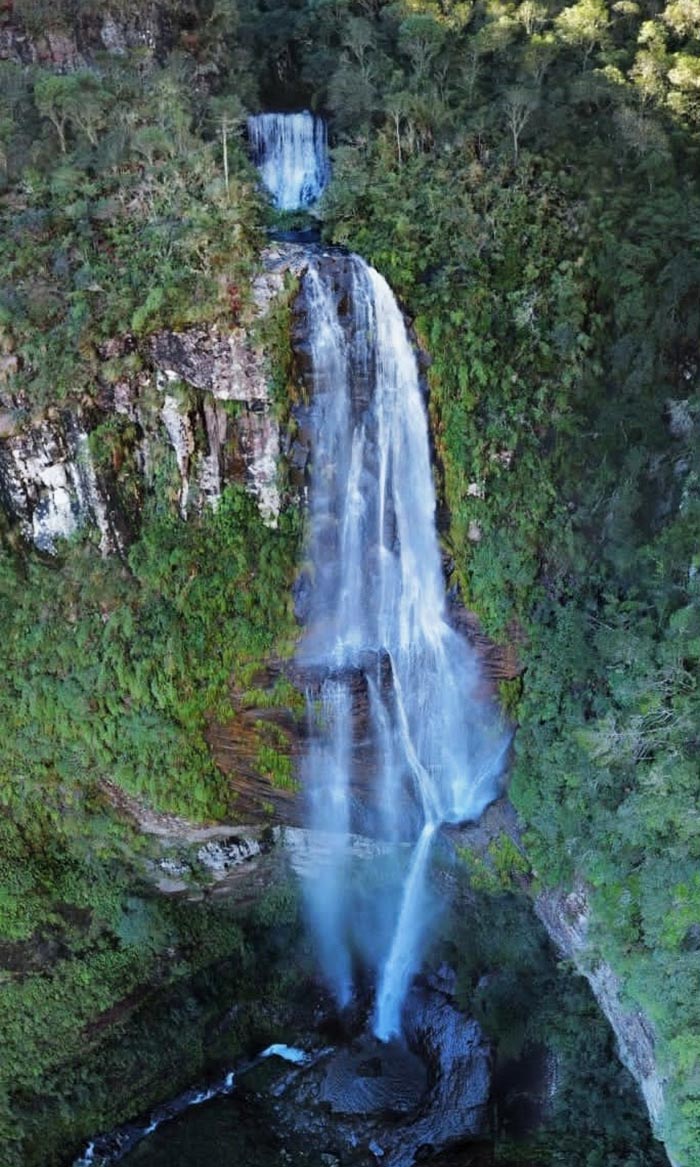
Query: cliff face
point(197, 415)
point(71, 44)
point(566, 918)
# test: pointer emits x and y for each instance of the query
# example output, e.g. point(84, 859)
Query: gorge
point(214, 418)
point(430, 742)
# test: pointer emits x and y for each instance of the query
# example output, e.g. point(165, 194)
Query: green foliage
point(526, 178)
point(131, 1017)
point(112, 675)
point(510, 980)
point(116, 216)
point(158, 648)
point(501, 869)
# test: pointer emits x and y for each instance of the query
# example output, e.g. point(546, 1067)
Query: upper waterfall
point(291, 152)
point(378, 630)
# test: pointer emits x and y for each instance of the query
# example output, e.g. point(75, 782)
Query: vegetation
point(526, 176)
point(112, 672)
point(545, 1027)
point(118, 216)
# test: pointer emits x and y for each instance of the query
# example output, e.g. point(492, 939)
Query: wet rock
point(459, 1057)
point(301, 594)
point(370, 1078)
point(394, 1102)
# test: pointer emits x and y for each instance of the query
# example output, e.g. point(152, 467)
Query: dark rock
point(301, 594)
point(393, 1102)
point(390, 1081)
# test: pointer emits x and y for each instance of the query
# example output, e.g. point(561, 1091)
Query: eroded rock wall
point(195, 417)
point(73, 42)
point(566, 917)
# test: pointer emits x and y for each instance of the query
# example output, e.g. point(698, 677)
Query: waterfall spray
point(378, 622)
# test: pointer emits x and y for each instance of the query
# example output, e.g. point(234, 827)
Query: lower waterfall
point(396, 686)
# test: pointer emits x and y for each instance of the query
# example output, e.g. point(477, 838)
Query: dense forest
point(525, 175)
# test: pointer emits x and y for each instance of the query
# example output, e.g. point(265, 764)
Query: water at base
point(291, 153)
point(112, 1148)
point(378, 633)
point(288, 1053)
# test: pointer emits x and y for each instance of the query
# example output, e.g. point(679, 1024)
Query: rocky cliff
point(566, 916)
point(71, 41)
point(197, 415)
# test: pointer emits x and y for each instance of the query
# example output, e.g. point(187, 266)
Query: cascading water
point(290, 150)
point(398, 684)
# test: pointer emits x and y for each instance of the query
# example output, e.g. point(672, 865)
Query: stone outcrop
point(197, 416)
point(49, 485)
point(566, 918)
point(392, 1102)
point(72, 45)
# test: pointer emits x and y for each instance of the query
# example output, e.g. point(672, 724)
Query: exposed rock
point(112, 36)
point(394, 1102)
point(681, 420)
point(259, 445)
point(149, 28)
point(59, 49)
point(225, 364)
point(177, 423)
point(220, 856)
point(244, 860)
point(211, 468)
point(51, 485)
point(459, 1056)
point(566, 918)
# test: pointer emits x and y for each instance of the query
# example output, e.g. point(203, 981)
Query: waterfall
point(291, 152)
point(396, 693)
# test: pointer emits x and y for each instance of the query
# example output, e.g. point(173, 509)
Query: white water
point(109, 1149)
point(288, 1053)
point(378, 633)
point(291, 152)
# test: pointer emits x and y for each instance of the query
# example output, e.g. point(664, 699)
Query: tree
point(226, 112)
point(584, 26)
point(532, 16)
point(50, 98)
point(421, 38)
point(359, 42)
point(397, 106)
point(684, 76)
point(76, 100)
point(519, 104)
point(652, 63)
point(683, 16)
